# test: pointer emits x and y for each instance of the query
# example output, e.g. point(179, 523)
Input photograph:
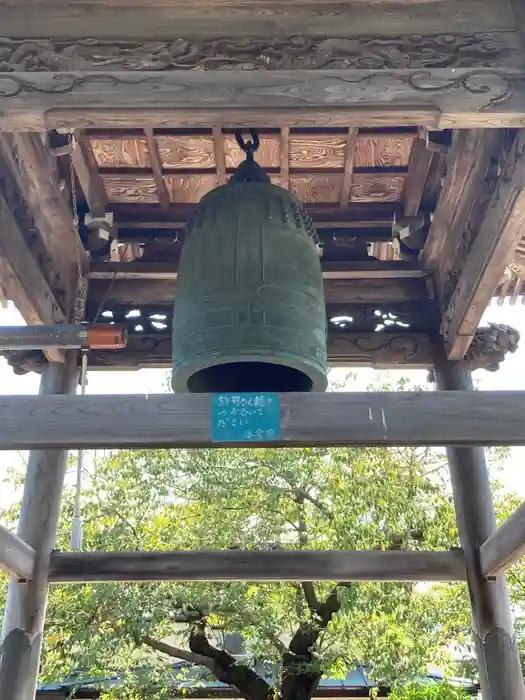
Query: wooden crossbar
point(260, 566)
point(506, 546)
point(455, 418)
point(16, 557)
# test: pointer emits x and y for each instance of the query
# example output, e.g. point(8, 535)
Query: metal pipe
point(97, 336)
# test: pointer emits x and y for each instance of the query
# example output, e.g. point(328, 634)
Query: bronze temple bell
point(249, 307)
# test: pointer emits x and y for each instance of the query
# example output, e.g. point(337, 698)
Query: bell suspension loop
point(249, 147)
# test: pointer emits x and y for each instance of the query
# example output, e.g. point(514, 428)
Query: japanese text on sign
point(245, 417)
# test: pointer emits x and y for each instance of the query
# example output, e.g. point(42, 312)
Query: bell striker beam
point(26, 602)
point(498, 661)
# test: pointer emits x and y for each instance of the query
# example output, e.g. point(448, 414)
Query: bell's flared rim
point(315, 371)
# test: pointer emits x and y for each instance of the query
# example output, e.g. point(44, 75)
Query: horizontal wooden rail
point(253, 565)
point(16, 557)
point(505, 546)
point(184, 420)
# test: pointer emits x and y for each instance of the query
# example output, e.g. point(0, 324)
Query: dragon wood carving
point(480, 50)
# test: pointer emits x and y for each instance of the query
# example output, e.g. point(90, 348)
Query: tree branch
point(226, 668)
point(169, 650)
point(311, 596)
point(300, 681)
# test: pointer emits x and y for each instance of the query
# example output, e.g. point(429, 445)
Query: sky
point(511, 375)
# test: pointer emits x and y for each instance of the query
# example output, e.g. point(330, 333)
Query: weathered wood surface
point(138, 421)
point(156, 165)
point(467, 163)
point(30, 100)
point(489, 254)
point(498, 661)
point(85, 167)
point(16, 556)
point(414, 185)
point(43, 192)
point(505, 546)
point(234, 118)
point(160, 20)
point(22, 277)
point(26, 602)
point(260, 566)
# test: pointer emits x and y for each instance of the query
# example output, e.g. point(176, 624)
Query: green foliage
point(428, 691)
point(258, 499)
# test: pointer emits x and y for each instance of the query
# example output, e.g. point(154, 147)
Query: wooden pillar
point(26, 602)
point(499, 667)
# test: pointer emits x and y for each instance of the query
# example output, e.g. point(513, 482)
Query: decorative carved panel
point(487, 49)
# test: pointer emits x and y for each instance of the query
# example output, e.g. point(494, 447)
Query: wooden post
point(499, 667)
point(26, 602)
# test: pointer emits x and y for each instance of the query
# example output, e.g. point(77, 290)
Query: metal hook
point(249, 147)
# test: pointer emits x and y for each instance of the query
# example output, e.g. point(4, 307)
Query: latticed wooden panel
point(319, 168)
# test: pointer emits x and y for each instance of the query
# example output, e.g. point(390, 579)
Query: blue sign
point(245, 417)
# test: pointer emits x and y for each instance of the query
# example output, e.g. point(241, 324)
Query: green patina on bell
point(249, 306)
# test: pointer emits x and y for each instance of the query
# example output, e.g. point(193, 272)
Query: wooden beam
point(489, 254)
point(398, 269)
point(367, 419)
point(505, 546)
point(22, 279)
point(257, 566)
point(351, 141)
point(16, 557)
point(498, 661)
point(156, 166)
point(220, 160)
point(345, 290)
point(418, 169)
point(358, 215)
point(38, 100)
point(156, 21)
point(87, 174)
point(285, 158)
point(235, 118)
point(34, 169)
point(467, 163)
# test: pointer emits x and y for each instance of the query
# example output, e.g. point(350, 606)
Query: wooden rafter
point(418, 169)
point(86, 171)
point(285, 158)
point(220, 162)
point(35, 171)
point(346, 185)
point(23, 280)
point(490, 253)
point(156, 166)
point(467, 163)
